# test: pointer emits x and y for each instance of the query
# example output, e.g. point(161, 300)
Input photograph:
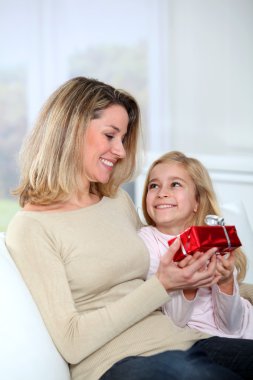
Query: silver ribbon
point(214, 220)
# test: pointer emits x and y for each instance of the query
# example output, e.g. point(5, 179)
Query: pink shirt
point(211, 310)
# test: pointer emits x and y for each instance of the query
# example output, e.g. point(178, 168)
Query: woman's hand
point(189, 274)
point(190, 294)
point(224, 272)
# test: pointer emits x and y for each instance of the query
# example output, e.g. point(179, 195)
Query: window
point(188, 63)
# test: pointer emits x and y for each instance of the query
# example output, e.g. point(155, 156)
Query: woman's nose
point(118, 149)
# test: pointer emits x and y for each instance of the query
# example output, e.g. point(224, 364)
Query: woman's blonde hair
point(51, 159)
point(204, 193)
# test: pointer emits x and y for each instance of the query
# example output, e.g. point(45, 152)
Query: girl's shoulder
point(147, 231)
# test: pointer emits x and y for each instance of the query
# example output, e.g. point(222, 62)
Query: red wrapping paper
point(202, 238)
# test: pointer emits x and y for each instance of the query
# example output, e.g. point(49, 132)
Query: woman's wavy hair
point(204, 193)
point(51, 158)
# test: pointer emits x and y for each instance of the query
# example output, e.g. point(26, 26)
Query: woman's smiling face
point(171, 200)
point(103, 143)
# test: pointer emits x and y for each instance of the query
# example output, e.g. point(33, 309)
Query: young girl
point(178, 193)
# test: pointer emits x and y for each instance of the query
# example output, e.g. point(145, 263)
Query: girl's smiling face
point(171, 198)
point(103, 143)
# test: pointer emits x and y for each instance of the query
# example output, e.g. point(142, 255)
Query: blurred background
point(189, 63)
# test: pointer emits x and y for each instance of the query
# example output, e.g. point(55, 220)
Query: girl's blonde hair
point(204, 193)
point(51, 159)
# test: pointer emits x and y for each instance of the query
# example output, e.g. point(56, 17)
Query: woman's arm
point(52, 274)
point(76, 334)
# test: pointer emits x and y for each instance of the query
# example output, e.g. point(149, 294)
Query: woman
point(76, 245)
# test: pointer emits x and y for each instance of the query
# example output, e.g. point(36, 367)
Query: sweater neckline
point(64, 212)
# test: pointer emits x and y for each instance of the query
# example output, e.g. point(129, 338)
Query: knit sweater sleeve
point(76, 334)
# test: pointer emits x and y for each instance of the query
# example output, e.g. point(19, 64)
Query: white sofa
point(235, 214)
point(26, 350)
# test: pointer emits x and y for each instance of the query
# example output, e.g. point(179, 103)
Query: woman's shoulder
point(122, 196)
point(126, 202)
point(22, 223)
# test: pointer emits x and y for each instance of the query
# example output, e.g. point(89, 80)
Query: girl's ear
point(196, 207)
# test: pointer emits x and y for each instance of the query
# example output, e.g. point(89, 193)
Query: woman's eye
point(109, 136)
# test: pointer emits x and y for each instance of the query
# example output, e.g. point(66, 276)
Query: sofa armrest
point(26, 349)
point(246, 291)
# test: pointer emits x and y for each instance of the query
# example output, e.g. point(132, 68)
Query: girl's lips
point(163, 206)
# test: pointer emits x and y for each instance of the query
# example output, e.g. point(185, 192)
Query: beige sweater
point(86, 271)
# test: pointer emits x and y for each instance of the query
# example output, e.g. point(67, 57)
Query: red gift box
point(202, 238)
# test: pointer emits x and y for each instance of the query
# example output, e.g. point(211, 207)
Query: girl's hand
point(224, 272)
point(191, 276)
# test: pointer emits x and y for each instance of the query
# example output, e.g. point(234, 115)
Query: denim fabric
point(192, 364)
point(236, 354)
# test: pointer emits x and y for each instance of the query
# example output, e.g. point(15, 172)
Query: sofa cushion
point(236, 214)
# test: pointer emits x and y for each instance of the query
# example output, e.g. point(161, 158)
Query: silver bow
point(214, 220)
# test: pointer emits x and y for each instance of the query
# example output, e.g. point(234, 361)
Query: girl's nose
point(163, 192)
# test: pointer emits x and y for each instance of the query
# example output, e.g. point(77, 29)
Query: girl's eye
point(176, 184)
point(152, 186)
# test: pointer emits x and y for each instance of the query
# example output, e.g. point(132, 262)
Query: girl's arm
point(179, 308)
point(229, 310)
